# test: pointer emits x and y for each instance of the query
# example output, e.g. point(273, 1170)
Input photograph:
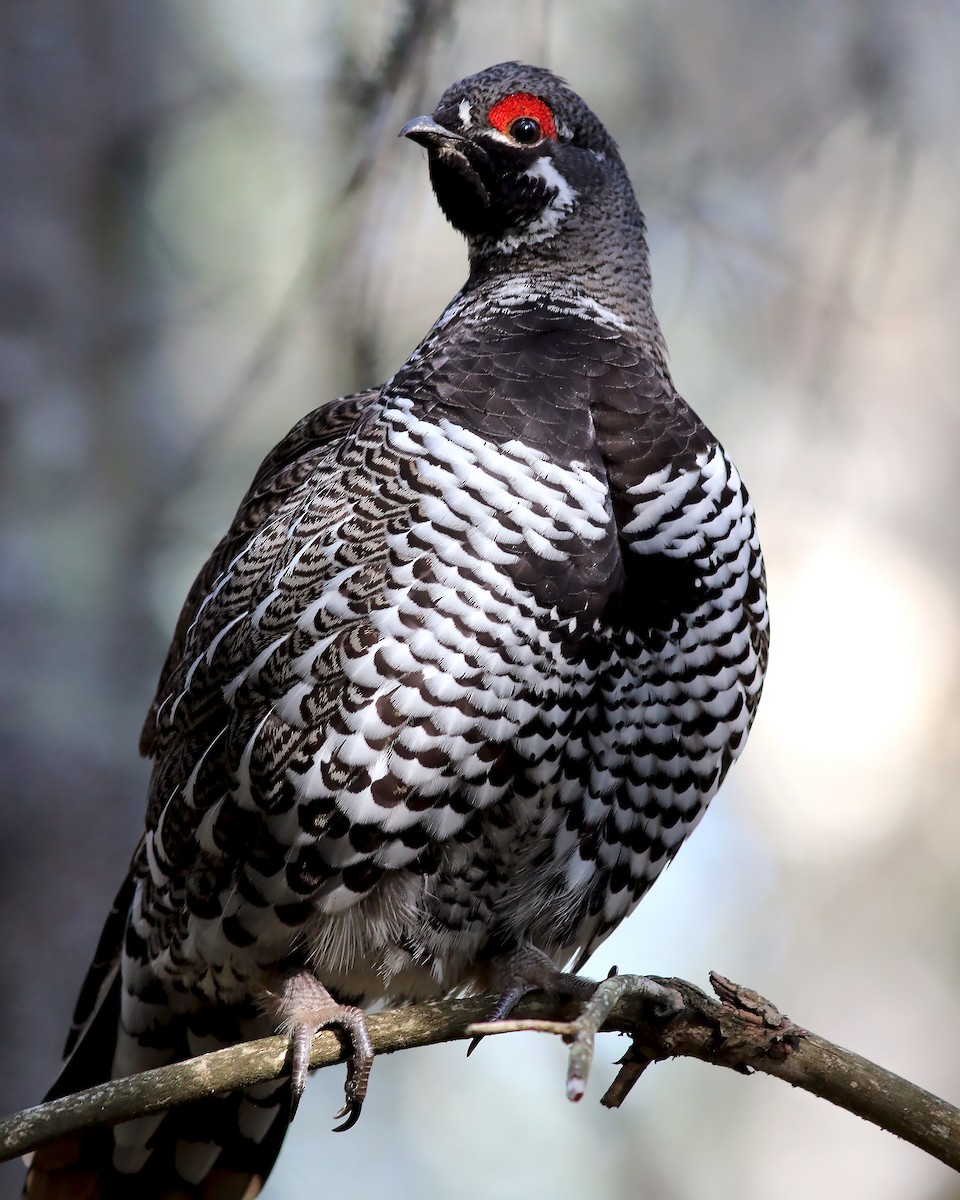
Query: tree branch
point(741, 1031)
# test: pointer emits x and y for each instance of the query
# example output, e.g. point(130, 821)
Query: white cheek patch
point(544, 169)
point(465, 114)
point(550, 220)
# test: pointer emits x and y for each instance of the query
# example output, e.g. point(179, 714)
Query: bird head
point(514, 154)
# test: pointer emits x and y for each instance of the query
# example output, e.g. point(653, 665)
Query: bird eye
point(524, 118)
point(525, 130)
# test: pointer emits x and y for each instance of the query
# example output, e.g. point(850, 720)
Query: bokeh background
point(208, 227)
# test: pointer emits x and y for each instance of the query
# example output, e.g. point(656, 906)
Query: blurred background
point(208, 227)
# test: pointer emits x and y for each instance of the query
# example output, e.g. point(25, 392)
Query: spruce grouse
point(475, 654)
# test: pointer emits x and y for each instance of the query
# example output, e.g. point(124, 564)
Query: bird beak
point(428, 132)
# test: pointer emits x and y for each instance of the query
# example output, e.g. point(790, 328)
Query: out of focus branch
point(741, 1030)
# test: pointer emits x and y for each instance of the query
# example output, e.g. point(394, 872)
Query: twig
point(741, 1031)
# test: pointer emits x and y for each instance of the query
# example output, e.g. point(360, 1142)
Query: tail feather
point(103, 971)
point(69, 1166)
point(221, 1148)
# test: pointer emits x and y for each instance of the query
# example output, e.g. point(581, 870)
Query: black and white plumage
point(474, 656)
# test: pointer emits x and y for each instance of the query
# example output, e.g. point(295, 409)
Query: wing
point(310, 514)
point(286, 470)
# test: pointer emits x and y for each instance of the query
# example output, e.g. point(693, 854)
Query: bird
point(476, 652)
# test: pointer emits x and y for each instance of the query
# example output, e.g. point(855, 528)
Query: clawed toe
point(666, 1000)
point(528, 970)
point(351, 1021)
point(504, 1007)
point(304, 1006)
point(581, 1032)
point(301, 1039)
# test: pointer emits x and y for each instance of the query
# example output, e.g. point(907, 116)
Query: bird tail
point(221, 1148)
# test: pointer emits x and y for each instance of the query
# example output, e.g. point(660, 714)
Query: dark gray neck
point(596, 250)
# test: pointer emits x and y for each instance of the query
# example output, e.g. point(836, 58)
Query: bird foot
point(581, 1032)
point(303, 1007)
point(667, 1001)
point(529, 970)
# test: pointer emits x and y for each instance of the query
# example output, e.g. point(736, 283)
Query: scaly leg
point(303, 1006)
